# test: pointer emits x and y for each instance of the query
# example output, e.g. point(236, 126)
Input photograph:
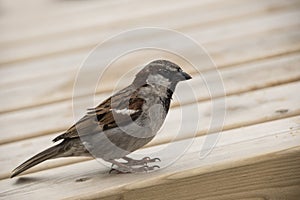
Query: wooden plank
point(70, 62)
point(284, 43)
point(178, 20)
point(66, 65)
point(275, 178)
point(65, 44)
point(22, 150)
point(148, 14)
point(242, 110)
point(62, 63)
point(68, 22)
point(269, 150)
point(12, 11)
point(238, 27)
point(58, 117)
point(265, 73)
point(58, 87)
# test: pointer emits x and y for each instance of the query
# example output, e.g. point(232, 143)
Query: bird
point(122, 123)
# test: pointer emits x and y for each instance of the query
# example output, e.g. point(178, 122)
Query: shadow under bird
point(121, 124)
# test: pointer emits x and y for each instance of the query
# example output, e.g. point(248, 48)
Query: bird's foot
point(128, 167)
point(143, 161)
point(125, 170)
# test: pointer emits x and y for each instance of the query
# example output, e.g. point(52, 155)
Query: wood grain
point(151, 14)
point(60, 87)
point(242, 110)
point(260, 143)
point(268, 179)
point(65, 45)
point(212, 32)
point(57, 117)
point(57, 84)
point(254, 46)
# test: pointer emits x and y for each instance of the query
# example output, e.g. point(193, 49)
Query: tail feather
point(52, 152)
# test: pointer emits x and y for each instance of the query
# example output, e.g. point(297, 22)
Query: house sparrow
point(121, 124)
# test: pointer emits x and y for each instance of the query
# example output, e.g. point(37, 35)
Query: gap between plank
point(199, 134)
point(109, 90)
point(51, 54)
point(42, 133)
point(100, 27)
point(199, 100)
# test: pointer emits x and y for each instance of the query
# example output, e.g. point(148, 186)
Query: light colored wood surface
point(255, 46)
point(59, 85)
point(247, 112)
point(259, 142)
point(38, 120)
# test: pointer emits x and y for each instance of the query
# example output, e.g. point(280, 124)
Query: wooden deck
point(256, 47)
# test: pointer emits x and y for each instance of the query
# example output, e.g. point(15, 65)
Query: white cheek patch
point(124, 111)
point(158, 80)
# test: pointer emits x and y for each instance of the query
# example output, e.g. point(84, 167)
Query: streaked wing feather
point(103, 117)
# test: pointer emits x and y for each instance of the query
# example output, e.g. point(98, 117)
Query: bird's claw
point(150, 168)
point(143, 161)
point(150, 160)
point(144, 168)
point(131, 165)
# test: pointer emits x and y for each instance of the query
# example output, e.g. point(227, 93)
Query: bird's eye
point(179, 70)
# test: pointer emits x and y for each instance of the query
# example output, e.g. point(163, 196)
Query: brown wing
point(105, 115)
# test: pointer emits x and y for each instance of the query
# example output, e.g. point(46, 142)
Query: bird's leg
point(143, 161)
point(125, 168)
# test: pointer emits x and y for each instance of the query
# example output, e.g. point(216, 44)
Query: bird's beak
point(185, 76)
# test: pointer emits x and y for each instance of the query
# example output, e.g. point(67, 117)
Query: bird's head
point(161, 72)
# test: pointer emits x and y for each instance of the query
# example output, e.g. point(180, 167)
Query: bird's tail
point(52, 152)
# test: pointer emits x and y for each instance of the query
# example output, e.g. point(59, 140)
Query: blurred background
point(43, 43)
